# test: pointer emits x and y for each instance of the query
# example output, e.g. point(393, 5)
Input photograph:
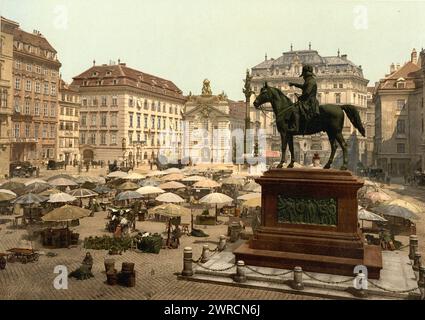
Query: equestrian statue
point(307, 117)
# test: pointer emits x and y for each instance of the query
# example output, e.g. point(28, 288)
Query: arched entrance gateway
point(88, 155)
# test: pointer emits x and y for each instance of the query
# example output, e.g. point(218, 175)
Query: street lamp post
point(248, 92)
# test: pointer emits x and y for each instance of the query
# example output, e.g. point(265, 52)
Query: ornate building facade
point(6, 91)
point(399, 121)
point(339, 81)
point(68, 124)
point(35, 97)
point(126, 114)
point(213, 127)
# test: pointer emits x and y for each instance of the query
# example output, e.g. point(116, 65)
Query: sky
point(187, 41)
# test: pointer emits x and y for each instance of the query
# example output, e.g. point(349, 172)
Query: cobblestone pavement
point(155, 274)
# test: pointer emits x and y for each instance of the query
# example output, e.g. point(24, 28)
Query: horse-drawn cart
point(22, 255)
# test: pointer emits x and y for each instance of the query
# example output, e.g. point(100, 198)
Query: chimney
point(344, 56)
point(414, 56)
point(265, 57)
point(397, 66)
point(392, 68)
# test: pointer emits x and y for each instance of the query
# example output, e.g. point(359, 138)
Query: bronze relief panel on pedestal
point(306, 210)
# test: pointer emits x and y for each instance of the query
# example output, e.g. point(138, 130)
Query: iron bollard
point(417, 261)
point(413, 246)
point(298, 279)
point(187, 262)
point(240, 272)
point(205, 253)
point(222, 243)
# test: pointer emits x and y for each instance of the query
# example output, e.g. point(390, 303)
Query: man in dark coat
point(307, 104)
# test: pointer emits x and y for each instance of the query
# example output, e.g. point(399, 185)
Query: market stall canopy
point(170, 210)
point(61, 197)
point(367, 182)
point(82, 193)
point(206, 183)
point(66, 213)
point(102, 189)
point(61, 175)
point(117, 174)
point(128, 186)
point(16, 187)
point(37, 187)
point(190, 171)
point(8, 191)
point(193, 178)
point(128, 195)
point(6, 196)
point(172, 185)
point(30, 198)
point(249, 196)
point(62, 182)
point(169, 197)
point(216, 198)
point(89, 179)
point(149, 190)
point(252, 203)
point(252, 186)
point(47, 193)
point(221, 168)
point(395, 211)
point(233, 181)
point(156, 173)
point(150, 182)
point(405, 204)
point(379, 196)
point(173, 177)
point(364, 214)
point(35, 181)
point(172, 170)
point(134, 176)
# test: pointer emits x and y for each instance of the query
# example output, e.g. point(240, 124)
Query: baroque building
point(399, 119)
point(213, 127)
point(35, 97)
point(126, 114)
point(339, 81)
point(6, 92)
point(68, 124)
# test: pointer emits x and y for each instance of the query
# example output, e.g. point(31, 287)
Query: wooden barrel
point(109, 264)
point(112, 277)
point(127, 267)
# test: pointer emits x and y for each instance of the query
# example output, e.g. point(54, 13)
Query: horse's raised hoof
point(327, 166)
point(343, 168)
point(290, 165)
point(280, 165)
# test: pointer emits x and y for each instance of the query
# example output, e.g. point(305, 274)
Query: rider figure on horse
point(307, 104)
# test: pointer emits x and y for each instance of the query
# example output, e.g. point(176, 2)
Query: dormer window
point(108, 73)
point(401, 83)
point(95, 74)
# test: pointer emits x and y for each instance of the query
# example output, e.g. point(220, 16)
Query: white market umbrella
point(35, 181)
point(172, 170)
point(62, 182)
point(367, 215)
point(216, 198)
point(172, 185)
point(8, 192)
point(117, 174)
point(149, 190)
point(61, 197)
point(206, 183)
point(133, 176)
point(170, 198)
point(193, 178)
point(249, 196)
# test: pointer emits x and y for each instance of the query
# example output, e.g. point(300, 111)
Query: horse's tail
point(354, 117)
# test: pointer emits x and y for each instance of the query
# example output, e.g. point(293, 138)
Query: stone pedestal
point(309, 219)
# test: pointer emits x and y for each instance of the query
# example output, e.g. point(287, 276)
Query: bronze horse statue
point(330, 120)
